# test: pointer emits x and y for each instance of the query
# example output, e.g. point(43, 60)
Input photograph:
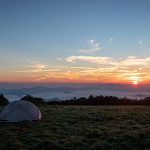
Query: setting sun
point(134, 79)
point(135, 82)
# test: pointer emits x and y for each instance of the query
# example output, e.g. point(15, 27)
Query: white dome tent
point(20, 111)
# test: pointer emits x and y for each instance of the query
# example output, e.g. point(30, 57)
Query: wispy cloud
point(129, 61)
point(38, 66)
point(140, 42)
point(93, 46)
point(91, 59)
point(34, 67)
point(110, 40)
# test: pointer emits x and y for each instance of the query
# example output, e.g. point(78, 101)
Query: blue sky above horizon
point(38, 35)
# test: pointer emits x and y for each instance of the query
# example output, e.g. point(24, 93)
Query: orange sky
point(85, 69)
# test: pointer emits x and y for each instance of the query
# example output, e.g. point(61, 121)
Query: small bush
point(3, 100)
point(35, 100)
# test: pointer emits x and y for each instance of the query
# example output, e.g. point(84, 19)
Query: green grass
point(81, 128)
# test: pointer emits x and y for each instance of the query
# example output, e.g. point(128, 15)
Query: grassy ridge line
point(91, 100)
point(101, 100)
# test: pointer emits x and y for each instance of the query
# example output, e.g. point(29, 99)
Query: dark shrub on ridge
point(35, 100)
point(101, 100)
point(3, 100)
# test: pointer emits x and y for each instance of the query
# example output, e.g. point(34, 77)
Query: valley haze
point(14, 91)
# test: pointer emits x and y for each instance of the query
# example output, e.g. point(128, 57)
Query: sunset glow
point(64, 43)
point(71, 69)
point(135, 82)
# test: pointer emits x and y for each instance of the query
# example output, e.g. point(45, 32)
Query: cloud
point(93, 46)
point(110, 40)
point(135, 61)
point(38, 66)
point(129, 61)
point(91, 59)
point(140, 42)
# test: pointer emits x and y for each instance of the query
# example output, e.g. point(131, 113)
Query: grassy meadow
point(81, 128)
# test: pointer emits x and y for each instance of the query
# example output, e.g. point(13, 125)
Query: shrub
point(3, 100)
point(34, 100)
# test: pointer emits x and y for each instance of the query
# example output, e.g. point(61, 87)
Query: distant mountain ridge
point(35, 90)
point(68, 89)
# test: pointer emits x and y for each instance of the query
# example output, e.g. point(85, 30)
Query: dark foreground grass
point(81, 128)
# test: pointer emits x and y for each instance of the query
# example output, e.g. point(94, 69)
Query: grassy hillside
point(81, 127)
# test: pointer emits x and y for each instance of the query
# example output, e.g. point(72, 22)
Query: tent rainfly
point(20, 111)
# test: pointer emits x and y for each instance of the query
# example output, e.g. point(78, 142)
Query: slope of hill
point(80, 128)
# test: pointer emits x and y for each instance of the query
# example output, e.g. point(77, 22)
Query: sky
point(75, 41)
